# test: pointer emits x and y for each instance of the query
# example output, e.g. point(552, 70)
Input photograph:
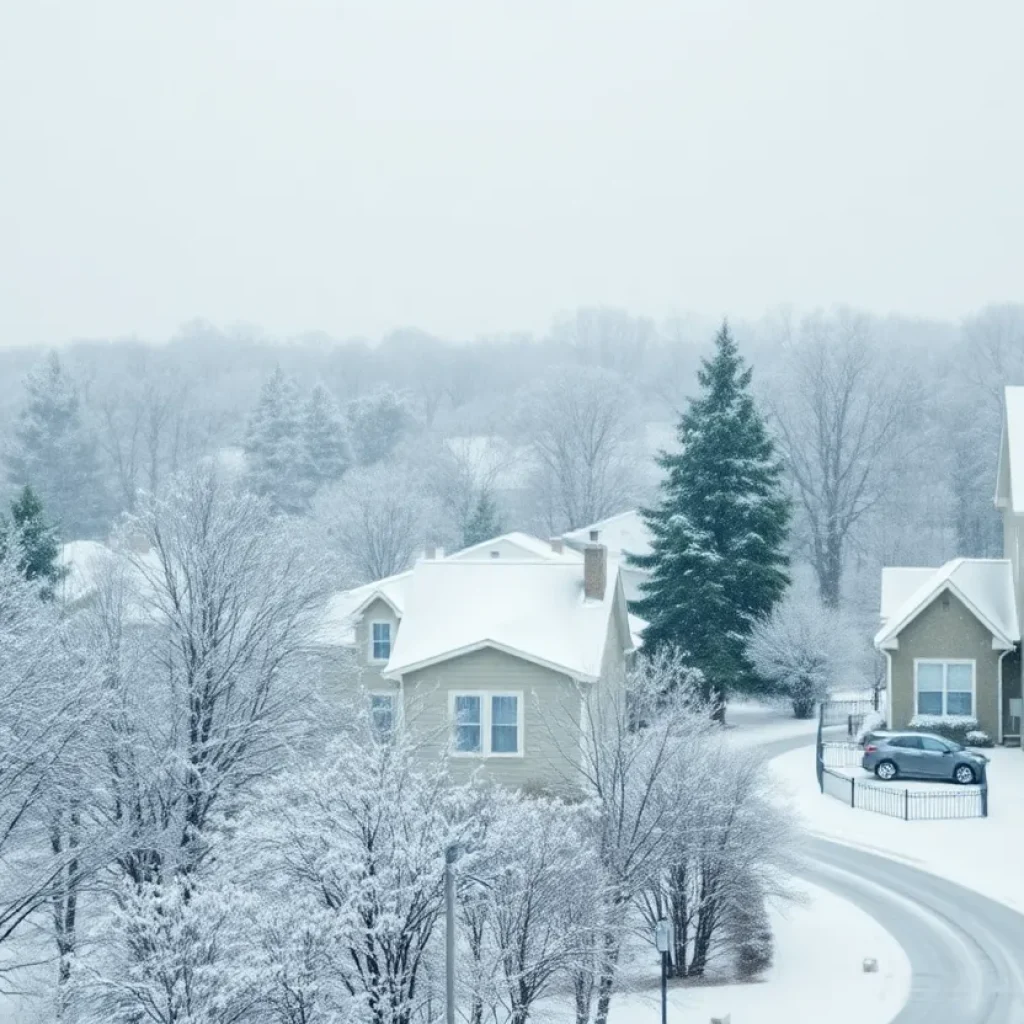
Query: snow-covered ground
point(818, 974)
point(980, 853)
point(750, 724)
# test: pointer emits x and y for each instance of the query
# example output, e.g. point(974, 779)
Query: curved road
point(966, 952)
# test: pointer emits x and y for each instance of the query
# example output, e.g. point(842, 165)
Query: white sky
point(471, 165)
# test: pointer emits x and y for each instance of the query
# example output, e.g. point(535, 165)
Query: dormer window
point(380, 641)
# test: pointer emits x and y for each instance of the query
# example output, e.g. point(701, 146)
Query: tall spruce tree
point(54, 450)
point(39, 546)
point(717, 561)
point(484, 523)
point(325, 440)
point(274, 446)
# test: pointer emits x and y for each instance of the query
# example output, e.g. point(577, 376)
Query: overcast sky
point(470, 166)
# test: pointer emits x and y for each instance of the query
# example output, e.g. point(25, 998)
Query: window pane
point(927, 743)
point(504, 725)
point(959, 704)
point(382, 714)
point(958, 677)
point(468, 734)
point(381, 641)
point(929, 677)
point(505, 710)
point(929, 703)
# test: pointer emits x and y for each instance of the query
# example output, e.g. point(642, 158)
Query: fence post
point(819, 753)
point(853, 792)
point(984, 797)
point(906, 805)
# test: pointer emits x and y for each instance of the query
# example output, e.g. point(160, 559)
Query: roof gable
point(535, 610)
point(983, 586)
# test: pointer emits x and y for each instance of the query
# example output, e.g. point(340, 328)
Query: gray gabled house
point(951, 635)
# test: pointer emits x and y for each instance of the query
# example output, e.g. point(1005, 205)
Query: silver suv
point(915, 755)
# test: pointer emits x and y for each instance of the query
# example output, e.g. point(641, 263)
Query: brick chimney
point(430, 553)
point(595, 571)
point(594, 534)
point(557, 545)
point(139, 543)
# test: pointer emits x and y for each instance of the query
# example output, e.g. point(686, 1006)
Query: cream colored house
point(490, 655)
point(951, 635)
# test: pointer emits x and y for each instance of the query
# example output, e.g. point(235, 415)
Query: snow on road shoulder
point(817, 975)
point(982, 854)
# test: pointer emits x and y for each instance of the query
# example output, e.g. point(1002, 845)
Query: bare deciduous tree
point(581, 431)
point(841, 422)
point(377, 518)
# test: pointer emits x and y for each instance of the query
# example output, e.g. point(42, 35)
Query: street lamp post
point(663, 941)
point(451, 854)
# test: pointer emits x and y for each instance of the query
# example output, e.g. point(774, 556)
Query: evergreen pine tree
point(40, 549)
point(717, 561)
point(54, 449)
point(484, 523)
point(325, 441)
point(274, 446)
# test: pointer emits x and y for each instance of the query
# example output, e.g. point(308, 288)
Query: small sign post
point(663, 942)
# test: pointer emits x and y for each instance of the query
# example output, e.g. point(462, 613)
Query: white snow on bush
point(976, 737)
point(943, 721)
point(873, 721)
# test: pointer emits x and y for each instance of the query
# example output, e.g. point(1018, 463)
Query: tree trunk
point(64, 840)
point(606, 982)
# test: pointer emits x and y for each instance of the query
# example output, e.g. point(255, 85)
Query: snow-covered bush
point(749, 933)
point(801, 649)
point(951, 727)
point(979, 738)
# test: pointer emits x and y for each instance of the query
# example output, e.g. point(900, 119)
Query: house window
point(945, 687)
point(488, 724)
point(380, 641)
point(505, 725)
point(468, 724)
point(382, 715)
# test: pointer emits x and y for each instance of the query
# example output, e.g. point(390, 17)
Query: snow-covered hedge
point(873, 721)
point(952, 727)
point(979, 738)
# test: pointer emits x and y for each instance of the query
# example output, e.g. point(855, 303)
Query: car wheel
point(964, 774)
point(886, 771)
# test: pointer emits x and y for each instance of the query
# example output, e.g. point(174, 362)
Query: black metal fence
point(909, 804)
point(894, 800)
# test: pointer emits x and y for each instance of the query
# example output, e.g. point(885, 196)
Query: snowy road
point(966, 951)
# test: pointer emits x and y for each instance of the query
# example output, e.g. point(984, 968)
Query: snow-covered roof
point(622, 533)
point(343, 609)
point(88, 562)
point(535, 610)
point(337, 627)
point(518, 545)
point(1010, 475)
point(898, 584)
point(984, 585)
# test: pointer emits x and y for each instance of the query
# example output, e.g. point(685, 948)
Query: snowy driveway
point(966, 951)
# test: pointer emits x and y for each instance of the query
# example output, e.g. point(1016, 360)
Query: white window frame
point(486, 697)
point(392, 695)
point(391, 640)
point(945, 662)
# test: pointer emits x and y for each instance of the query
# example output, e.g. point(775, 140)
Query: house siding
point(946, 629)
point(551, 717)
point(377, 611)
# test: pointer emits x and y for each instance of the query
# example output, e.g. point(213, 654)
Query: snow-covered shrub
point(979, 738)
point(750, 935)
point(950, 727)
point(801, 650)
point(873, 721)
